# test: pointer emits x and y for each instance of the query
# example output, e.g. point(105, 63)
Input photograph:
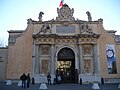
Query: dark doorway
point(66, 65)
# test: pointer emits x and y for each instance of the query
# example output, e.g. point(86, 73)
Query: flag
point(61, 3)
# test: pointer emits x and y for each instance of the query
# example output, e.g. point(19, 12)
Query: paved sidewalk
point(61, 87)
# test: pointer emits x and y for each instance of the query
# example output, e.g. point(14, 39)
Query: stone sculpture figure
point(85, 28)
point(89, 16)
point(40, 16)
point(45, 28)
point(29, 21)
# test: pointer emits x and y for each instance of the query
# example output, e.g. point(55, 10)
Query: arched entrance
point(66, 65)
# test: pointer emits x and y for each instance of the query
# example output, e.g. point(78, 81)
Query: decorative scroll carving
point(87, 66)
point(85, 29)
point(65, 13)
point(44, 67)
point(45, 50)
point(45, 28)
point(87, 49)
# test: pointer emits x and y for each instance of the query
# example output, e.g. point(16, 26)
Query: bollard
point(80, 81)
point(54, 82)
point(33, 80)
point(102, 81)
point(119, 86)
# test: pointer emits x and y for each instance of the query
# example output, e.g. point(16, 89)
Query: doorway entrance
point(66, 65)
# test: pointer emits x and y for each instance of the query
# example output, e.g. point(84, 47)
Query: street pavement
point(14, 86)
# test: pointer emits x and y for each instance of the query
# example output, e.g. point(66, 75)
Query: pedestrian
point(59, 79)
point(33, 80)
point(49, 79)
point(23, 77)
point(28, 80)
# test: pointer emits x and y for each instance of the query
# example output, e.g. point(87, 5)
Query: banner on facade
point(111, 59)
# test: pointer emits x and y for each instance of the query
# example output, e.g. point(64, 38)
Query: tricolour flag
point(61, 3)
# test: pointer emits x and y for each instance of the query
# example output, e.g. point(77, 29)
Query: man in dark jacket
point(28, 80)
point(23, 78)
point(49, 79)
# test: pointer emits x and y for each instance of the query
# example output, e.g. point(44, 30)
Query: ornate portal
point(65, 44)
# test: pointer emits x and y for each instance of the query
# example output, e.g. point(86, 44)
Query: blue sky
point(14, 13)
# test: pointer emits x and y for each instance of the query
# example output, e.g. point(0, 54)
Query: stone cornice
point(89, 36)
point(16, 31)
point(65, 22)
point(62, 36)
point(44, 35)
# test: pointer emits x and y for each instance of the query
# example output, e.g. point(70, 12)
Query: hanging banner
point(111, 59)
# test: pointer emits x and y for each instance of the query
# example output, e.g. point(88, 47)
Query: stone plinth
point(43, 86)
point(19, 83)
point(90, 78)
point(9, 82)
point(95, 86)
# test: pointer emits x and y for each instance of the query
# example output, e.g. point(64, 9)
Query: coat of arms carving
point(65, 13)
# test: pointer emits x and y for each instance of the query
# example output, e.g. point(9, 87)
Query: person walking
point(28, 80)
point(23, 77)
point(59, 79)
point(49, 79)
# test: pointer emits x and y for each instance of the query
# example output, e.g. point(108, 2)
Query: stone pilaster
point(81, 60)
point(33, 60)
point(96, 68)
point(76, 62)
point(37, 62)
point(77, 57)
point(52, 60)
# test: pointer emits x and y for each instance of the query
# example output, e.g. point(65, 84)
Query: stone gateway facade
point(72, 48)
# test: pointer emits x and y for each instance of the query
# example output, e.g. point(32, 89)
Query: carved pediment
point(65, 13)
